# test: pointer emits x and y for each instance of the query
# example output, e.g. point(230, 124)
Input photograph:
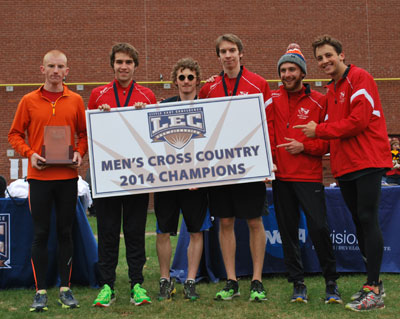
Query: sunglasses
point(182, 77)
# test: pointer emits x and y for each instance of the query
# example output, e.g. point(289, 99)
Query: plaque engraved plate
point(57, 148)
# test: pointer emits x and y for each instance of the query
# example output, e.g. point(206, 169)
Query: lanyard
point(236, 83)
point(179, 98)
point(127, 98)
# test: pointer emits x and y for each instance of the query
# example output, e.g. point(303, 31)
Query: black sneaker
point(67, 300)
point(332, 293)
point(39, 303)
point(230, 291)
point(359, 293)
point(257, 291)
point(167, 289)
point(299, 292)
point(189, 290)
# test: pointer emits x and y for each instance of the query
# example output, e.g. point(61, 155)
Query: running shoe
point(167, 289)
point(39, 302)
point(361, 291)
point(67, 300)
point(368, 300)
point(332, 293)
point(230, 291)
point(189, 290)
point(299, 292)
point(257, 291)
point(139, 296)
point(105, 297)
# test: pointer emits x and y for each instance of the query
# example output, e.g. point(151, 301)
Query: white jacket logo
point(303, 113)
point(342, 97)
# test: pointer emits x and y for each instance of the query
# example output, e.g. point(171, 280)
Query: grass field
point(15, 303)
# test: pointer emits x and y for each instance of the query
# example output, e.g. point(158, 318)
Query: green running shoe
point(230, 291)
point(257, 291)
point(67, 300)
point(39, 302)
point(139, 296)
point(105, 297)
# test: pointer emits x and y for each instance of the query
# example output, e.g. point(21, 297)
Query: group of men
point(303, 125)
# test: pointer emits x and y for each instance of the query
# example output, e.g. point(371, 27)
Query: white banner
point(178, 145)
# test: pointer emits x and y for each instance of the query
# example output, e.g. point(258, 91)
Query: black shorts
point(245, 200)
point(193, 204)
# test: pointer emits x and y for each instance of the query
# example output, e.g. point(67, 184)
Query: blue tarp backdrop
point(16, 234)
point(342, 233)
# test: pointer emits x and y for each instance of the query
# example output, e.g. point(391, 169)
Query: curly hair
point(186, 63)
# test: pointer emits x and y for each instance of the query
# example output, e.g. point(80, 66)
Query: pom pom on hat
point(293, 55)
point(393, 141)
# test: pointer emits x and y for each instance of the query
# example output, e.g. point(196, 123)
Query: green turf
point(15, 303)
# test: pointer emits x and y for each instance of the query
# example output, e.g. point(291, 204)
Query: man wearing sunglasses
point(246, 200)
point(193, 203)
point(123, 91)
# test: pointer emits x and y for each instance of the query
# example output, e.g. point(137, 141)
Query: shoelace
point(190, 284)
point(104, 292)
point(38, 297)
point(140, 291)
point(68, 295)
point(229, 285)
point(257, 286)
point(332, 289)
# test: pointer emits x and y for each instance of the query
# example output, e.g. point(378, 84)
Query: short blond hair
point(54, 53)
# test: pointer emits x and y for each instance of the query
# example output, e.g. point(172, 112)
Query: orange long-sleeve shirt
point(34, 112)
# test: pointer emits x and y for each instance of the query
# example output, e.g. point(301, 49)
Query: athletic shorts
point(244, 201)
point(192, 203)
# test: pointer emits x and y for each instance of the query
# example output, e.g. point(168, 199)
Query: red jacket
point(250, 83)
point(355, 125)
point(33, 114)
point(105, 95)
point(307, 165)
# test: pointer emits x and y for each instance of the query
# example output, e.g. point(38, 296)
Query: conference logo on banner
point(177, 127)
point(4, 241)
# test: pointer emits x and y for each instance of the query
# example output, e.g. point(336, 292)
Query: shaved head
point(54, 53)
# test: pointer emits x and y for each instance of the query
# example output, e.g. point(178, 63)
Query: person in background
point(298, 180)
point(192, 202)
point(359, 154)
point(393, 176)
point(132, 209)
point(53, 104)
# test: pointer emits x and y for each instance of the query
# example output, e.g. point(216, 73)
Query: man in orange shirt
point(53, 104)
